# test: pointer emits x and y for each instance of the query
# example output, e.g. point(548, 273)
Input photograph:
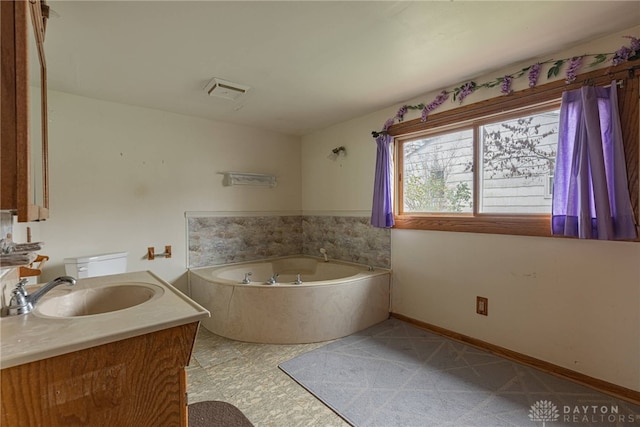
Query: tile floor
point(247, 376)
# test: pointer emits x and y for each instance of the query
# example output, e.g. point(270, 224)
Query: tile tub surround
point(218, 240)
point(287, 313)
point(347, 238)
point(33, 336)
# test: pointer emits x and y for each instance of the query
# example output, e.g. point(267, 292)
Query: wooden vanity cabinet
point(137, 382)
point(23, 110)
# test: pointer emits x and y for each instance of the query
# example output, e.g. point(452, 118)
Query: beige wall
point(572, 303)
point(122, 178)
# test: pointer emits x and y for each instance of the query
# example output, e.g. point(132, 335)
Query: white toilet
point(96, 265)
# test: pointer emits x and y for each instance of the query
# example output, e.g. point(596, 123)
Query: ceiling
point(309, 64)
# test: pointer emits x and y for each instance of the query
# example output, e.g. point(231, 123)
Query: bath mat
point(214, 413)
point(395, 374)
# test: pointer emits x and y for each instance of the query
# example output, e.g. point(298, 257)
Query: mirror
point(23, 145)
point(35, 118)
point(37, 189)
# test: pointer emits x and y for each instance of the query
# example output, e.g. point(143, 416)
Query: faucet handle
point(20, 286)
point(18, 298)
point(18, 303)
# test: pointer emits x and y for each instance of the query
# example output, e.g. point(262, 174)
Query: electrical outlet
point(482, 306)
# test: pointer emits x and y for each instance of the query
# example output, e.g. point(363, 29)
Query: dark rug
point(396, 375)
point(216, 414)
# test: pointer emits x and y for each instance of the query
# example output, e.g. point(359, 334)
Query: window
point(515, 155)
point(516, 158)
point(436, 172)
point(488, 167)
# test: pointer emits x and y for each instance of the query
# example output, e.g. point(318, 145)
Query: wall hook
point(335, 153)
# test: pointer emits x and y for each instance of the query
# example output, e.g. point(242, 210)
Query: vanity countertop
point(33, 336)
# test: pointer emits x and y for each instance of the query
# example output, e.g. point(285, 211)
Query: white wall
point(346, 183)
point(572, 303)
point(122, 178)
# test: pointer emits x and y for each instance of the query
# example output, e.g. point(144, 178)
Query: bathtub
point(335, 299)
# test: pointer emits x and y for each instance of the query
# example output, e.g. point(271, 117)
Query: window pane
point(518, 160)
point(437, 173)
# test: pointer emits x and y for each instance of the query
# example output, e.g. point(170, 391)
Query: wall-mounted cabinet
point(23, 110)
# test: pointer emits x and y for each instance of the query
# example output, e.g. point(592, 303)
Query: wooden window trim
point(522, 224)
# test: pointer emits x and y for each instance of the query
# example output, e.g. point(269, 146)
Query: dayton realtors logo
point(546, 411)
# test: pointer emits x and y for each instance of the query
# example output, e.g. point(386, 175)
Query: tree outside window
point(435, 177)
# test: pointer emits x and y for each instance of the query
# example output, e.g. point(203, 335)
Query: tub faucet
point(246, 279)
point(323, 251)
point(273, 279)
point(21, 302)
point(298, 280)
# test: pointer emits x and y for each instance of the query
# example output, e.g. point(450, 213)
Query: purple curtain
point(382, 211)
point(590, 193)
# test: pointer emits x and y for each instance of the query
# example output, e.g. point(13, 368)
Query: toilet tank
point(96, 265)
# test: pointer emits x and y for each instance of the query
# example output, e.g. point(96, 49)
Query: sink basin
point(99, 300)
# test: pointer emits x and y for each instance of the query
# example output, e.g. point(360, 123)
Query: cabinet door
point(138, 381)
point(23, 142)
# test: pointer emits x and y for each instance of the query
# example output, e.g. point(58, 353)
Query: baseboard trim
point(615, 390)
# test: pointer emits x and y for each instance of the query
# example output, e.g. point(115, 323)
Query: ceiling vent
point(225, 89)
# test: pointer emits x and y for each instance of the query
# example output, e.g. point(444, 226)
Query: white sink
point(99, 300)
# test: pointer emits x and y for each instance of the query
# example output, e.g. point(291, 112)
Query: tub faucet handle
point(298, 280)
point(246, 279)
point(273, 279)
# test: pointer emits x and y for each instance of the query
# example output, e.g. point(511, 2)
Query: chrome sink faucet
point(21, 302)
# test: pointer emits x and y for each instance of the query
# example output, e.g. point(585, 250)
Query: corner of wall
point(216, 240)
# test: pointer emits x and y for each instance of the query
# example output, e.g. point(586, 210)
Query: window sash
point(461, 131)
point(475, 126)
